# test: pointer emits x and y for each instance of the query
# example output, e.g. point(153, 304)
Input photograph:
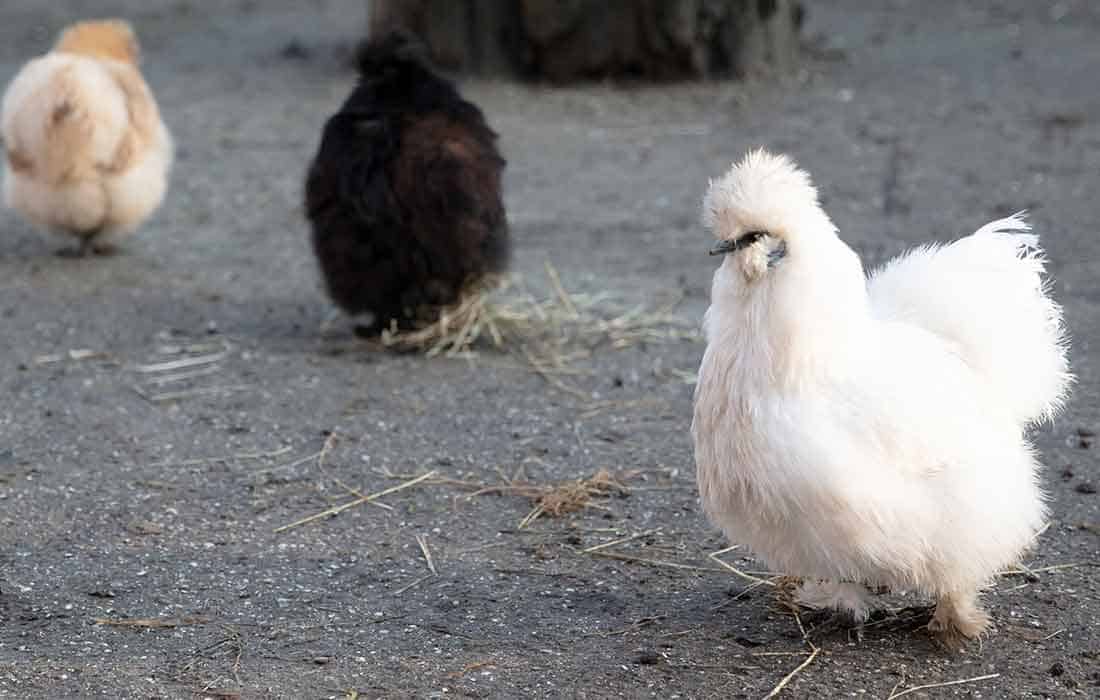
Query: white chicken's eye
point(749, 238)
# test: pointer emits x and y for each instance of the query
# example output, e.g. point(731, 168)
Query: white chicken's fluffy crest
point(872, 431)
point(763, 192)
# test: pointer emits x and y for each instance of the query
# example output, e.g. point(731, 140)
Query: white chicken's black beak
point(725, 247)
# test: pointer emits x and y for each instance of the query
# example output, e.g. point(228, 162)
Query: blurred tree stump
point(569, 40)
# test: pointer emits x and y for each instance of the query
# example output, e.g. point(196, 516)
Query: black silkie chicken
point(404, 194)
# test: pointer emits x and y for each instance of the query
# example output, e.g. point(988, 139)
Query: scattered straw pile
point(786, 593)
point(571, 496)
point(554, 500)
point(548, 332)
point(455, 330)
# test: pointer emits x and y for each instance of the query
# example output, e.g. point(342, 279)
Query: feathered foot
point(104, 248)
point(820, 624)
point(851, 598)
point(381, 321)
point(90, 242)
point(369, 331)
point(958, 617)
point(80, 251)
point(850, 604)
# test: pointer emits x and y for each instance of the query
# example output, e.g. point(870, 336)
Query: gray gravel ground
point(920, 120)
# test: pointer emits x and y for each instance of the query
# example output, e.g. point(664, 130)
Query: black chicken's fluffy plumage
point(404, 194)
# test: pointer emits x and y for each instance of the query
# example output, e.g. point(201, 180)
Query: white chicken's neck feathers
point(807, 314)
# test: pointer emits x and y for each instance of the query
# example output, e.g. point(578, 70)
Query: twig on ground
point(336, 510)
point(653, 562)
point(714, 556)
point(621, 540)
point(538, 367)
point(183, 376)
point(798, 669)
point(76, 354)
point(423, 542)
point(1025, 571)
point(814, 651)
point(351, 490)
point(415, 583)
point(471, 667)
point(182, 363)
point(916, 688)
point(224, 458)
point(636, 625)
point(151, 622)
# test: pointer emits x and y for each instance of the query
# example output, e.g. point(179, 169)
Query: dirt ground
point(138, 552)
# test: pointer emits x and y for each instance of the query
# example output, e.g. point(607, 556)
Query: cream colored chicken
point(86, 152)
point(859, 431)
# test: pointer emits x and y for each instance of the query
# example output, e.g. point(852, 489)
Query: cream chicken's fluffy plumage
point(86, 152)
point(870, 431)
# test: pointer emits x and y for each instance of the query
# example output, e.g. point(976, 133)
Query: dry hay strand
point(786, 593)
point(962, 681)
point(151, 622)
point(76, 355)
point(548, 333)
point(454, 329)
point(571, 496)
point(814, 650)
point(470, 668)
point(553, 500)
point(358, 501)
point(778, 581)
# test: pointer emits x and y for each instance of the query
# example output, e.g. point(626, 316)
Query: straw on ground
point(548, 334)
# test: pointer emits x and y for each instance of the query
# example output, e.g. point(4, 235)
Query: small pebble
point(648, 658)
point(294, 50)
point(1085, 487)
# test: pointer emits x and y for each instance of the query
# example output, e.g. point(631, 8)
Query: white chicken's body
point(86, 151)
point(872, 432)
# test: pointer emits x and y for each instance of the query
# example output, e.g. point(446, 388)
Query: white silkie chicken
point(860, 431)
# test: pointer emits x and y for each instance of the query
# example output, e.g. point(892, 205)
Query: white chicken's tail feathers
point(1015, 224)
point(987, 295)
